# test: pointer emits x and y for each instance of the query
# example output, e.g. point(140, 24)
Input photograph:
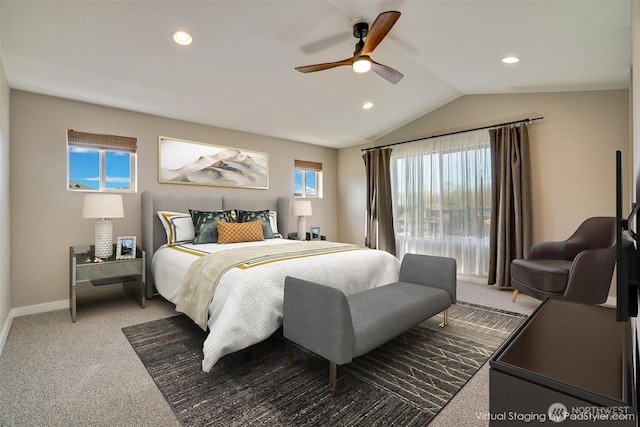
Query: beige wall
point(572, 154)
point(5, 253)
point(45, 217)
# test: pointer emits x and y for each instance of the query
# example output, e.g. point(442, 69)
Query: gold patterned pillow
point(236, 232)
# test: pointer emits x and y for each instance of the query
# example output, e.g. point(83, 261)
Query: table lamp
point(302, 209)
point(103, 207)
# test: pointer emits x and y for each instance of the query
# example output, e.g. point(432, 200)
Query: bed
point(245, 305)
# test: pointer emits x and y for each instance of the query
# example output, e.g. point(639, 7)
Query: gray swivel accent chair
point(578, 269)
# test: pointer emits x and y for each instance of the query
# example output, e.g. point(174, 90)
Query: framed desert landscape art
point(198, 163)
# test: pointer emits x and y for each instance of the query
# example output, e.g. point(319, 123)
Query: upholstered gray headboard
point(154, 236)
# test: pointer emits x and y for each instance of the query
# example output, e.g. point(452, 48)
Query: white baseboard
point(24, 311)
point(610, 302)
point(473, 279)
point(40, 308)
point(4, 332)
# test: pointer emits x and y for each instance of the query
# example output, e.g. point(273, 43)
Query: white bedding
point(247, 304)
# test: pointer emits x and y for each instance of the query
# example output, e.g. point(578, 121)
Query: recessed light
point(367, 105)
point(510, 59)
point(182, 38)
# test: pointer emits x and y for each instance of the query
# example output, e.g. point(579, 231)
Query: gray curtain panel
point(379, 227)
point(511, 232)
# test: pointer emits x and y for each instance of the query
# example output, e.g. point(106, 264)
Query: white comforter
point(247, 304)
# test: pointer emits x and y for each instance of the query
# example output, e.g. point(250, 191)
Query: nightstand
point(130, 272)
point(294, 236)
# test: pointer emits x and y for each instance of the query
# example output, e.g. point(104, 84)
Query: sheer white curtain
point(441, 189)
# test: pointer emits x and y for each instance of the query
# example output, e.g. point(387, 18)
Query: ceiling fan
point(370, 38)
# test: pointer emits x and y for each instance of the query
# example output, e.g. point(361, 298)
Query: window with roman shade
point(101, 162)
point(307, 179)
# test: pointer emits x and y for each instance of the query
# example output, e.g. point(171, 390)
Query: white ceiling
point(239, 71)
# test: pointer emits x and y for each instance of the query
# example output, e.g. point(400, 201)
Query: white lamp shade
point(102, 206)
point(302, 208)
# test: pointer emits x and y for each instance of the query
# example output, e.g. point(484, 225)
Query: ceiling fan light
point(361, 65)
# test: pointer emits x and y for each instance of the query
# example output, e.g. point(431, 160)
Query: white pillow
point(273, 221)
point(178, 226)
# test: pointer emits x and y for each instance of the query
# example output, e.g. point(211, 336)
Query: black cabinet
point(567, 361)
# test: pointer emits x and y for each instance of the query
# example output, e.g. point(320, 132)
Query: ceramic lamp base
point(104, 238)
point(302, 228)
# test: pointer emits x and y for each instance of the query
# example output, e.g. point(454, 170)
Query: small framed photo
point(126, 247)
point(315, 233)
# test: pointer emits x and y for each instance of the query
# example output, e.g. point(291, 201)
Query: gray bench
point(340, 327)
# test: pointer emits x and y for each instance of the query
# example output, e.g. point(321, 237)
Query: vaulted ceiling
point(239, 71)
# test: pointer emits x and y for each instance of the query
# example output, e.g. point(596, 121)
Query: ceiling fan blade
point(385, 72)
point(325, 66)
point(380, 28)
point(323, 44)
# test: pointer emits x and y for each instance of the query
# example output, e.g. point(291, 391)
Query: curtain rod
point(452, 133)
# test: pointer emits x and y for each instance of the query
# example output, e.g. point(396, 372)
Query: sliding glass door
point(442, 199)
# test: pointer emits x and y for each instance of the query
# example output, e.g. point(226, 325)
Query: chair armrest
point(428, 270)
point(591, 275)
point(318, 318)
point(549, 250)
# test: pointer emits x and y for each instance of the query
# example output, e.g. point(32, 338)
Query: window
point(441, 191)
point(98, 162)
point(307, 179)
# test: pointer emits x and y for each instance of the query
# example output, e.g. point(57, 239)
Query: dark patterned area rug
point(404, 382)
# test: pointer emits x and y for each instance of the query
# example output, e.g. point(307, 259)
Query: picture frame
point(315, 233)
point(197, 163)
point(126, 247)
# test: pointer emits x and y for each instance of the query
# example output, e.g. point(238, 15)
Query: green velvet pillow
point(204, 224)
point(249, 216)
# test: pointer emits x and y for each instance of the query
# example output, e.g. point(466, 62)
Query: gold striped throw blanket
point(203, 275)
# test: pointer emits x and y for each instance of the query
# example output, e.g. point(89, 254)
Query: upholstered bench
point(340, 327)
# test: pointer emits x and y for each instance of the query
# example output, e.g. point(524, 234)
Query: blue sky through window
point(298, 182)
point(118, 170)
point(308, 180)
point(84, 168)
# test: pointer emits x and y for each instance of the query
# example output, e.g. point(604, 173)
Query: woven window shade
point(310, 166)
point(101, 142)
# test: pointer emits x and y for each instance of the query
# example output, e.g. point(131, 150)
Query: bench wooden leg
point(289, 357)
point(333, 377)
point(514, 296)
point(445, 318)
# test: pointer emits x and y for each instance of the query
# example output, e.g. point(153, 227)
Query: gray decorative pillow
point(204, 224)
point(248, 216)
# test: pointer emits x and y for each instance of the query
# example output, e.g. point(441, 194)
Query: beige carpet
point(55, 372)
